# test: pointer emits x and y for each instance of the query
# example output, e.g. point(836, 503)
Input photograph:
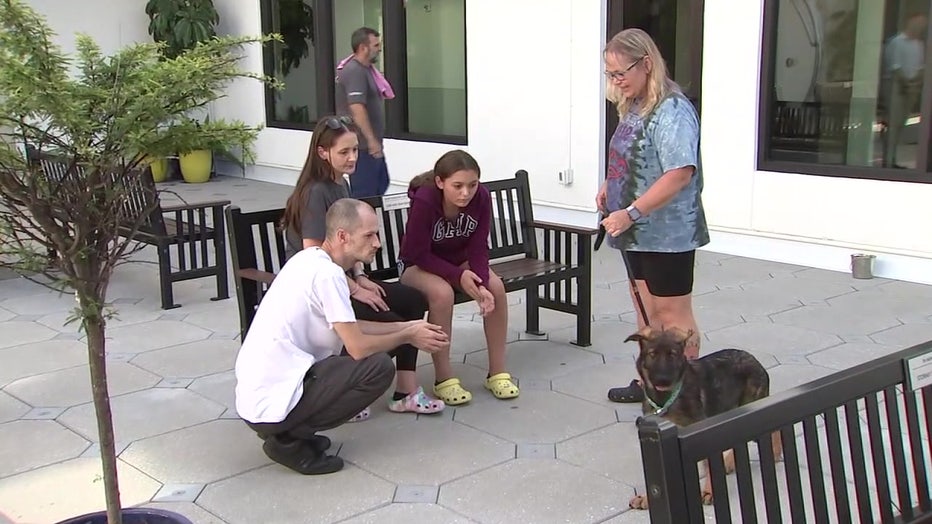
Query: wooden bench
point(192, 235)
point(551, 262)
point(853, 445)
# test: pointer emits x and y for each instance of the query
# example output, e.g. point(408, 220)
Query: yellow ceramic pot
point(195, 166)
point(159, 167)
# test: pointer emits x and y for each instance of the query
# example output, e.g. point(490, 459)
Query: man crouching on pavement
point(291, 381)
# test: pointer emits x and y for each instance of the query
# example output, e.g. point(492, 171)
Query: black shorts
point(666, 274)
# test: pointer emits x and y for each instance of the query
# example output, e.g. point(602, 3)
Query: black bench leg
point(584, 313)
point(220, 251)
point(165, 277)
point(533, 313)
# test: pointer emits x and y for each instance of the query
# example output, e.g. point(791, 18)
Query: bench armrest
point(195, 206)
point(257, 275)
point(564, 228)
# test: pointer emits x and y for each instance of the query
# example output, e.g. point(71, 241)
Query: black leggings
point(404, 303)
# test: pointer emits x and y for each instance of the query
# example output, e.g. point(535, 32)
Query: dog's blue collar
point(660, 410)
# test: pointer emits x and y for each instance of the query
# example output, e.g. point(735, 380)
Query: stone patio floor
point(559, 453)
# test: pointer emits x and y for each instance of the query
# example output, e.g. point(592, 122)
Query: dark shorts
point(666, 274)
point(371, 176)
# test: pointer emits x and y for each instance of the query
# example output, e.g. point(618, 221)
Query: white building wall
point(535, 99)
point(803, 219)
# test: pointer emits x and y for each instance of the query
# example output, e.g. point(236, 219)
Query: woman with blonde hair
point(651, 198)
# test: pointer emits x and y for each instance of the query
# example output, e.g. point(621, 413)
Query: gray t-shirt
point(355, 85)
point(320, 197)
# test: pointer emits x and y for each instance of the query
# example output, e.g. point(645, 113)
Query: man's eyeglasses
point(620, 75)
point(338, 122)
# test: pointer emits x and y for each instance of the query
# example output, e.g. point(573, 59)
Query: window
point(844, 88)
point(436, 72)
point(424, 58)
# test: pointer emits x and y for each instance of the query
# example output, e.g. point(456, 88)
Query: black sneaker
point(301, 456)
point(319, 442)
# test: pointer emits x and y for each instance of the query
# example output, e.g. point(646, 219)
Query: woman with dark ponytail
point(333, 153)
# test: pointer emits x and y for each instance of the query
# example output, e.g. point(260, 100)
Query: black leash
point(634, 286)
point(631, 282)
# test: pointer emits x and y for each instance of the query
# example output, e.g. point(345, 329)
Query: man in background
point(360, 89)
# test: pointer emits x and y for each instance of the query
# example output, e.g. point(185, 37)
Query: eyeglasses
point(338, 122)
point(620, 75)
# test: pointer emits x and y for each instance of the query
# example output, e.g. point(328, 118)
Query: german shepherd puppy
point(687, 391)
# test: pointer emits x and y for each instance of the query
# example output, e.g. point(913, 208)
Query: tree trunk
point(97, 358)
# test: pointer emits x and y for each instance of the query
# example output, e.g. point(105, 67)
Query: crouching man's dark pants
point(335, 390)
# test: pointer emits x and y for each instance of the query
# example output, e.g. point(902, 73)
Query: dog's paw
point(707, 497)
point(638, 502)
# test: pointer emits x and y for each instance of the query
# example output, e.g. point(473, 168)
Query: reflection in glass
point(848, 78)
point(294, 61)
point(436, 59)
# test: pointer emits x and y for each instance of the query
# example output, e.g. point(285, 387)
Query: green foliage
point(181, 24)
point(297, 29)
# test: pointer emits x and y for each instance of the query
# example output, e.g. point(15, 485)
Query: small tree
point(104, 116)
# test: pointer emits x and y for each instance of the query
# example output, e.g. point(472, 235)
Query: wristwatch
point(634, 213)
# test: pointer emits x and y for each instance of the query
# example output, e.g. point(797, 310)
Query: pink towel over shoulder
point(385, 89)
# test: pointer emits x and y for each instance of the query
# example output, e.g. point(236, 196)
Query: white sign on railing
point(395, 201)
point(919, 371)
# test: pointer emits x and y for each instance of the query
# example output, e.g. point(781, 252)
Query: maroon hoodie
point(438, 245)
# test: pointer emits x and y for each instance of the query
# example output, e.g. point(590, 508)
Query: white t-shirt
point(906, 54)
point(292, 329)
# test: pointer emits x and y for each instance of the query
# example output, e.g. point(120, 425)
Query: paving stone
point(593, 383)
point(174, 383)
point(618, 456)
point(876, 303)
point(420, 494)
point(40, 304)
point(178, 493)
point(727, 307)
point(905, 336)
point(139, 338)
point(123, 315)
point(593, 497)
point(535, 416)
point(43, 413)
point(790, 287)
point(220, 320)
point(549, 320)
point(540, 360)
point(146, 413)
point(533, 383)
point(416, 459)
point(191, 455)
point(631, 516)
point(772, 338)
point(244, 499)
point(607, 338)
point(40, 357)
point(93, 451)
point(196, 359)
point(193, 512)
point(72, 386)
point(837, 277)
point(541, 451)
point(11, 408)
point(408, 513)
point(219, 388)
point(15, 333)
point(19, 452)
point(60, 491)
point(850, 354)
point(837, 319)
point(788, 376)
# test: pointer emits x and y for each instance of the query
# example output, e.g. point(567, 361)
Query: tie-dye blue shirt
point(641, 151)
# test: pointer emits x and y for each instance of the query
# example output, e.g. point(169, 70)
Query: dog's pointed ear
point(642, 334)
point(680, 335)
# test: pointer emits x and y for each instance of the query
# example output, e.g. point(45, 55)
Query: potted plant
point(106, 118)
point(181, 25)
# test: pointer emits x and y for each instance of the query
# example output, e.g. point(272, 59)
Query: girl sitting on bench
point(444, 250)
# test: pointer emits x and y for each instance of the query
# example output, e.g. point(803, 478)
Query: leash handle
point(634, 287)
